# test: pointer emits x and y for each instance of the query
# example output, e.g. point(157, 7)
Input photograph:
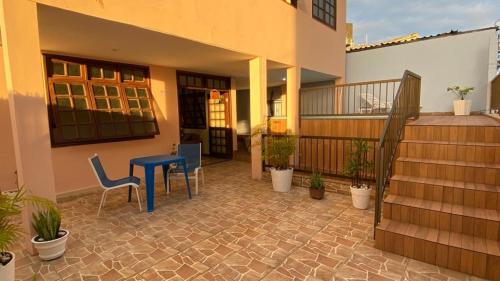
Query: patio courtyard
point(235, 229)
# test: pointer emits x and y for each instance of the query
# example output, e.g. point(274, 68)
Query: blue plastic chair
point(192, 154)
point(108, 184)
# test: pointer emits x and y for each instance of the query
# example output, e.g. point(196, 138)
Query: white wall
point(464, 59)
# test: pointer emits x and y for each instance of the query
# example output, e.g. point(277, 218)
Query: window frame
point(87, 81)
point(324, 8)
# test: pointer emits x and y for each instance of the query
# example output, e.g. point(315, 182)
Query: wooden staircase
point(443, 203)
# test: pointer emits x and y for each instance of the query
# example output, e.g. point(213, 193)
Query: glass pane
point(74, 69)
point(144, 103)
point(67, 117)
point(77, 89)
point(95, 72)
point(138, 75)
point(109, 73)
point(101, 103)
point(80, 103)
point(190, 81)
point(182, 80)
point(223, 84)
point(107, 130)
point(63, 103)
point(126, 75)
point(104, 116)
point(115, 103)
point(142, 93)
point(216, 84)
point(69, 132)
point(133, 103)
point(118, 116)
point(136, 115)
point(112, 91)
point(197, 82)
point(210, 83)
point(130, 92)
point(86, 131)
point(122, 129)
point(98, 90)
point(58, 68)
point(138, 128)
point(61, 89)
point(150, 128)
point(148, 116)
point(83, 117)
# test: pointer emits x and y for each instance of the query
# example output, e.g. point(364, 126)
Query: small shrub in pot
point(50, 240)
point(317, 187)
point(461, 106)
point(358, 167)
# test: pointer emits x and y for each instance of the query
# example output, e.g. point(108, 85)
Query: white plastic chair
point(108, 184)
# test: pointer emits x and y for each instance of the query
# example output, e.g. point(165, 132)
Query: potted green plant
point(357, 169)
point(317, 187)
point(276, 151)
point(461, 106)
point(11, 204)
point(50, 240)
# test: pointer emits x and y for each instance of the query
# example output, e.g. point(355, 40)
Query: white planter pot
point(462, 107)
point(49, 250)
point(282, 179)
point(360, 197)
point(7, 272)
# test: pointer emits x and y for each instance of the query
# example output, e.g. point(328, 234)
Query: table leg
point(187, 178)
point(130, 173)
point(150, 187)
point(165, 171)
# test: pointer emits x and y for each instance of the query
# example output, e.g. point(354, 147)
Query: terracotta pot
point(53, 249)
point(317, 193)
point(7, 272)
point(282, 179)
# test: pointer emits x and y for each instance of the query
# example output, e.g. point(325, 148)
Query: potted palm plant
point(317, 188)
point(50, 240)
point(277, 150)
point(357, 169)
point(11, 205)
point(461, 106)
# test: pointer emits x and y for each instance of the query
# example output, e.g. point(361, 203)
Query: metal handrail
point(406, 105)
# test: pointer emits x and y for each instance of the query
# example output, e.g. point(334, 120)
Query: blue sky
point(384, 19)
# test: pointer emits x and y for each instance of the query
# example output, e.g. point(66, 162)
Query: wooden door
point(220, 133)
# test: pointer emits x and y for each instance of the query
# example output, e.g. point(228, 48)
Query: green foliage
point(10, 207)
point(459, 91)
point(358, 165)
point(276, 148)
point(47, 223)
point(316, 181)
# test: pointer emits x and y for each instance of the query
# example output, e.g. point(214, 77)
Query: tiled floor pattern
point(235, 229)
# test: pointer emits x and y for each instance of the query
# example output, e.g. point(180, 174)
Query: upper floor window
point(96, 101)
point(326, 12)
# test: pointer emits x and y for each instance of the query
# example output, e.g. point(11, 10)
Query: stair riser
point(467, 261)
point(453, 133)
point(483, 175)
point(452, 195)
point(451, 152)
point(478, 227)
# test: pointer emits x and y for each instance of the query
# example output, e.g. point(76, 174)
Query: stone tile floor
point(235, 229)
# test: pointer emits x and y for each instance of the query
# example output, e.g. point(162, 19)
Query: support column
point(234, 116)
point(24, 77)
point(292, 99)
point(258, 93)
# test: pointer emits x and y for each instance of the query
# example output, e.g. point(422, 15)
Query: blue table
point(149, 163)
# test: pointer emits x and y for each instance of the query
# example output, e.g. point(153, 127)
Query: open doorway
point(205, 112)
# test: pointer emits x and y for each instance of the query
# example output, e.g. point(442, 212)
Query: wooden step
point(448, 191)
point(488, 153)
point(479, 222)
point(456, 251)
point(487, 134)
point(448, 170)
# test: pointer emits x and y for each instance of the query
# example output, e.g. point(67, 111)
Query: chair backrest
point(192, 153)
point(96, 165)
